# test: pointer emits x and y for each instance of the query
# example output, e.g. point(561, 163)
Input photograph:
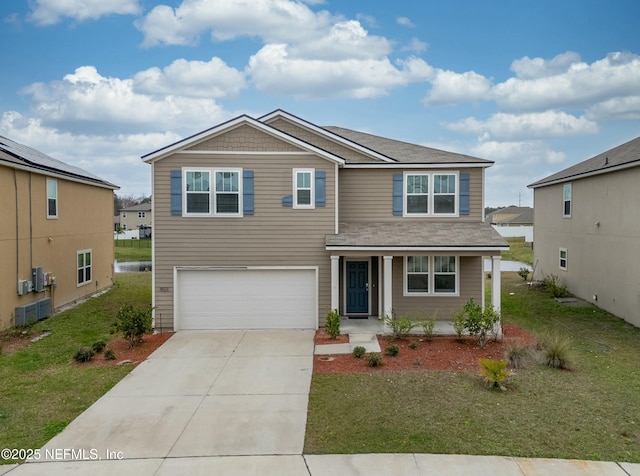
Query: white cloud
point(622, 108)
point(537, 125)
point(404, 21)
point(49, 12)
point(211, 79)
point(273, 71)
point(448, 87)
point(88, 102)
point(272, 20)
point(532, 68)
point(523, 153)
point(416, 46)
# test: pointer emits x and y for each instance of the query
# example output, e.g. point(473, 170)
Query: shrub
point(332, 327)
point(414, 345)
point(374, 359)
point(480, 322)
point(495, 372)
point(400, 328)
point(551, 284)
point(98, 346)
point(84, 354)
point(109, 354)
point(523, 272)
point(517, 355)
point(392, 350)
point(133, 323)
point(459, 323)
point(427, 328)
point(359, 351)
point(556, 351)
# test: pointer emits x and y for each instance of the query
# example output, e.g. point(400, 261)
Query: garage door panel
point(247, 299)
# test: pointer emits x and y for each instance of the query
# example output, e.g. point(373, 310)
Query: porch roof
point(416, 236)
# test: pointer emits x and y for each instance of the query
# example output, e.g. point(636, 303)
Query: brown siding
point(273, 236)
point(245, 138)
point(366, 195)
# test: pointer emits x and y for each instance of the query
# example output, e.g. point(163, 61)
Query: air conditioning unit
point(44, 308)
point(26, 314)
point(23, 287)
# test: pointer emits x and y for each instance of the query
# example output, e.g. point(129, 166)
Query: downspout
point(30, 227)
point(15, 184)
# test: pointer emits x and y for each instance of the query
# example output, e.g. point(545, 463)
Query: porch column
point(496, 289)
point(387, 304)
point(335, 282)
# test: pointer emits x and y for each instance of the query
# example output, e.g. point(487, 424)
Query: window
point(303, 193)
point(417, 274)
point(124, 214)
point(52, 198)
point(84, 267)
point(444, 194)
point(417, 193)
point(430, 194)
point(563, 259)
point(227, 192)
point(142, 215)
point(431, 275)
point(566, 198)
point(198, 197)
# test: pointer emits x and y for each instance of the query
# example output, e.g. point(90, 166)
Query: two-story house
point(56, 242)
point(135, 216)
point(588, 229)
point(273, 222)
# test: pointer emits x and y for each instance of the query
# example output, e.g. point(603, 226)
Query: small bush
point(495, 372)
point(109, 354)
point(359, 351)
point(400, 328)
point(551, 284)
point(99, 346)
point(459, 324)
point(392, 350)
point(414, 345)
point(84, 354)
point(523, 272)
point(374, 359)
point(556, 351)
point(480, 322)
point(518, 355)
point(427, 328)
point(133, 323)
point(332, 327)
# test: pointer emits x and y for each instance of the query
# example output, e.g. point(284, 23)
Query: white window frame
point(431, 194)
point(84, 267)
point(185, 193)
point(311, 188)
point(561, 259)
point(565, 187)
point(142, 215)
point(407, 273)
point(55, 184)
point(215, 192)
point(431, 279)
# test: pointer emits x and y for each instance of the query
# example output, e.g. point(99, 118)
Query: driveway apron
point(203, 393)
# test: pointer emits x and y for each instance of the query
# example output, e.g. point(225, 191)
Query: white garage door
point(255, 298)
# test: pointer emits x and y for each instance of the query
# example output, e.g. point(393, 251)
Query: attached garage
point(246, 298)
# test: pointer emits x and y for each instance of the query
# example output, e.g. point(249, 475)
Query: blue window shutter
point(287, 201)
point(247, 192)
point(176, 192)
point(465, 178)
point(397, 194)
point(321, 188)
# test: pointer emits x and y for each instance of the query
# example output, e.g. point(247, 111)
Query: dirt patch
point(124, 354)
point(442, 353)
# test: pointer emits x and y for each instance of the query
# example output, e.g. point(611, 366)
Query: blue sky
point(534, 86)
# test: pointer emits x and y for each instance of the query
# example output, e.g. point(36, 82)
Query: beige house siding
point(273, 236)
point(85, 222)
point(602, 239)
point(366, 195)
point(131, 220)
point(245, 138)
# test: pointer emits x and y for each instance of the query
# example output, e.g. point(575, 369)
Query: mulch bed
point(125, 354)
point(442, 353)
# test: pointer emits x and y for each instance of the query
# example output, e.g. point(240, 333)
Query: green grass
point(591, 412)
point(40, 391)
point(132, 250)
point(519, 250)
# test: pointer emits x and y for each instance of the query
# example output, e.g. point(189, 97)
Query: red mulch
point(120, 347)
point(442, 353)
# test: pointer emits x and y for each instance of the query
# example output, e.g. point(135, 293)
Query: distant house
point(273, 222)
point(588, 229)
point(511, 216)
point(56, 242)
point(135, 217)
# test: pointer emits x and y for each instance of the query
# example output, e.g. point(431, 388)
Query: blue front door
point(357, 287)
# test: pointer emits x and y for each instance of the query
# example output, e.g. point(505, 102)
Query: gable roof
point(619, 158)
point(25, 157)
point(141, 207)
point(519, 215)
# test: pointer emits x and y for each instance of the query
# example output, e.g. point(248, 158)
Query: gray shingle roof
point(416, 234)
point(625, 155)
point(522, 215)
point(32, 158)
point(404, 151)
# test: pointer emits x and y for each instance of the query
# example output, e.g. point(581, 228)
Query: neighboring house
point(56, 242)
point(135, 216)
point(587, 229)
point(273, 222)
point(511, 216)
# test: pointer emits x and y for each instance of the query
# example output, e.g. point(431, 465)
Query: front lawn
point(589, 412)
point(519, 250)
point(41, 391)
point(132, 250)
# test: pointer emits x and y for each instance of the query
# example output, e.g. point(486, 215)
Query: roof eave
point(569, 178)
